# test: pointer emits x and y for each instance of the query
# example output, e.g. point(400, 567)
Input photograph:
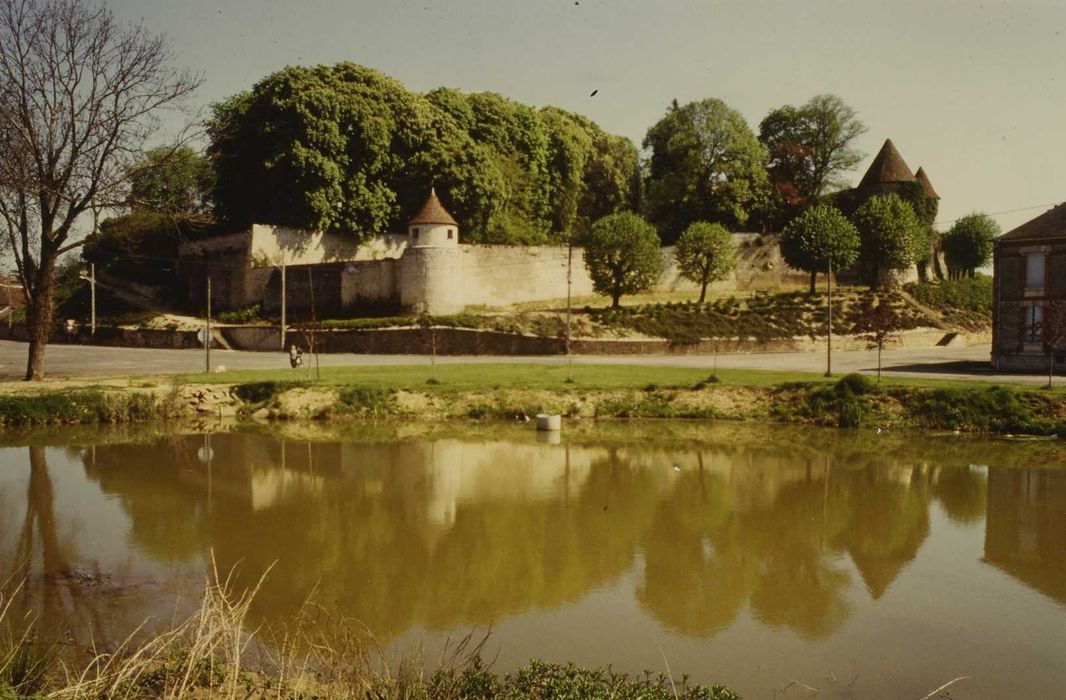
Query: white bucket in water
point(549, 422)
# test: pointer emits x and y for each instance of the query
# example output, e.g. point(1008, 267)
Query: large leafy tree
point(811, 148)
point(346, 149)
point(622, 255)
point(79, 97)
point(705, 165)
point(968, 244)
point(818, 240)
point(892, 237)
point(706, 252)
point(175, 181)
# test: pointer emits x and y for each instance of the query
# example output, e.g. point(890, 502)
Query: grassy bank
point(213, 654)
point(509, 392)
point(86, 406)
point(484, 391)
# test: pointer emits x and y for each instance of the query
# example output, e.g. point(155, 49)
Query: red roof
point(433, 212)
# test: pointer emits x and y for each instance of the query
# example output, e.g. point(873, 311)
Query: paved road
point(92, 361)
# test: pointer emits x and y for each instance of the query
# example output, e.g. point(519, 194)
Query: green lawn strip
point(477, 376)
point(467, 377)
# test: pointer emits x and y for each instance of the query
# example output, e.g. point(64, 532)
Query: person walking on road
point(296, 356)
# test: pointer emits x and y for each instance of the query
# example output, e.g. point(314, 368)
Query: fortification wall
point(369, 281)
point(388, 271)
point(272, 245)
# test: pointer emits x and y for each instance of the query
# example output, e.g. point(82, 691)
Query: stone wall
point(245, 270)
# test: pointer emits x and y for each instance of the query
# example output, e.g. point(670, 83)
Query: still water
point(861, 565)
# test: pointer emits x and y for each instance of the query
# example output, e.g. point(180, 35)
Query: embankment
point(851, 402)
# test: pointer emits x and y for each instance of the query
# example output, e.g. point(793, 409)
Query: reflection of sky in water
point(767, 555)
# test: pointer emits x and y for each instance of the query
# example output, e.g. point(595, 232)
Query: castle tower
point(887, 170)
point(431, 279)
point(432, 226)
point(927, 185)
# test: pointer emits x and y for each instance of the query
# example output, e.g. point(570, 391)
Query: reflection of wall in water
point(1025, 533)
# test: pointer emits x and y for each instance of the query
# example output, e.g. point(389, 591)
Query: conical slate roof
point(927, 186)
point(888, 166)
point(433, 212)
point(1050, 224)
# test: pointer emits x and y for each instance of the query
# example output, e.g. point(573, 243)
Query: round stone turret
point(432, 226)
point(431, 275)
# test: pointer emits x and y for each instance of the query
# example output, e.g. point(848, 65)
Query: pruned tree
point(819, 240)
point(622, 255)
point(891, 235)
point(79, 98)
point(705, 253)
point(968, 244)
point(878, 324)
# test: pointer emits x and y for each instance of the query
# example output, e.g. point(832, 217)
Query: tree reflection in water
point(451, 532)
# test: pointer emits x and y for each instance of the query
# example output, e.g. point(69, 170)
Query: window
point(1031, 328)
point(1034, 270)
point(415, 232)
point(450, 232)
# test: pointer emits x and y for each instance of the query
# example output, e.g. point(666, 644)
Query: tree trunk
point(938, 270)
point(1050, 368)
point(703, 292)
point(615, 297)
point(923, 270)
point(39, 315)
point(814, 281)
point(879, 346)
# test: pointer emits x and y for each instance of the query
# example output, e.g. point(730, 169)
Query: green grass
point(447, 378)
point(468, 377)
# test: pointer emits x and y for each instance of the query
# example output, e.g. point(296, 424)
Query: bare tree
point(1053, 332)
point(878, 325)
point(79, 97)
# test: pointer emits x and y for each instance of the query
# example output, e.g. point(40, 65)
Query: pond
point(762, 557)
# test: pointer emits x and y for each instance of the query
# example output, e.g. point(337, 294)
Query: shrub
point(986, 409)
point(857, 384)
point(261, 392)
point(968, 293)
point(245, 315)
point(373, 402)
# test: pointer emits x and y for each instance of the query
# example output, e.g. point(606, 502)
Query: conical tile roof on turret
point(927, 186)
point(433, 212)
point(888, 166)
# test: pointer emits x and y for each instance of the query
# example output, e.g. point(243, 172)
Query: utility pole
point(207, 341)
point(569, 311)
point(92, 296)
point(282, 303)
point(829, 320)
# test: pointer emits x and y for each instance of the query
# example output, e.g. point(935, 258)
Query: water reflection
point(450, 532)
point(1025, 532)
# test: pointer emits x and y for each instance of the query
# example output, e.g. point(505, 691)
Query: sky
point(975, 92)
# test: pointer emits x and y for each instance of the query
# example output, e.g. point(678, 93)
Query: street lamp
point(91, 279)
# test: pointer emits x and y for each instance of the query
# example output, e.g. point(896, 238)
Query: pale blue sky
point(973, 91)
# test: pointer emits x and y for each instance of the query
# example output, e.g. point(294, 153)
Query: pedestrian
point(296, 356)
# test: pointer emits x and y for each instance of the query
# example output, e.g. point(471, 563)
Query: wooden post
point(207, 341)
point(283, 303)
